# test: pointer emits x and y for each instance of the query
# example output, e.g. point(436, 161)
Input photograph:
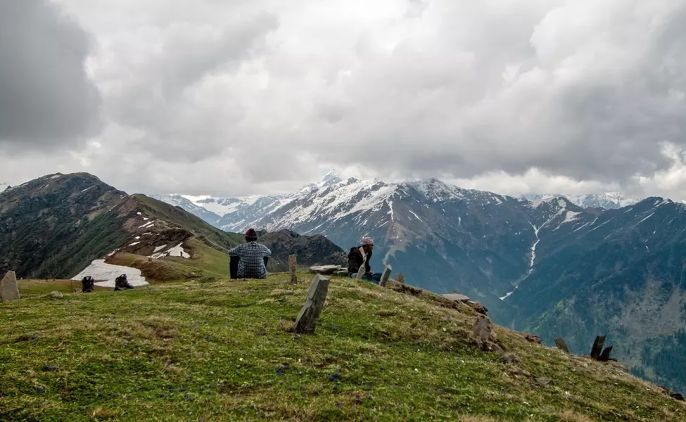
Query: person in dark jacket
point(362, 255)
point(251, 257)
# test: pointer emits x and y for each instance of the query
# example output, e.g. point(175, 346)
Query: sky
point(247, 97)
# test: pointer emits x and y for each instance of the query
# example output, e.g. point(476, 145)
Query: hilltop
point(222, 350)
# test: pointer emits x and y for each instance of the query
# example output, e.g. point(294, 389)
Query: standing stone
point(482, 329)
point(292, 266)
point(385, 276)
point(561, 344)
point(309, 314)
point(8, 287)
point(597, 347)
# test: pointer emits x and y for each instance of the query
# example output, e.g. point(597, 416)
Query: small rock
point(531, 338)
point(281, 369)
point(543, 381)
point(335, 377)
point(49, 368)
point(509, 358)
point(56, 295)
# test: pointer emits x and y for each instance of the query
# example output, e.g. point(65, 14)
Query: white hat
point(366, 240)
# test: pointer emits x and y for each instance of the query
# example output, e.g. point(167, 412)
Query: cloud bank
point(259, 96)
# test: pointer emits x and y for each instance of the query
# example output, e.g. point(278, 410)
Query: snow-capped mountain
point(557, 266)
point(188, 205)
point(3, 186)
point(607, 200)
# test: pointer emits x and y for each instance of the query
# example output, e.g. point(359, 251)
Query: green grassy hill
point(223, 351)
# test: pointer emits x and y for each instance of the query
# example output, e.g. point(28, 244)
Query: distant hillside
point(56, 225)
point(310, 250)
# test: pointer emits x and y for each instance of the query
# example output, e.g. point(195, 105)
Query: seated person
point(359, 255)
point(251, 257)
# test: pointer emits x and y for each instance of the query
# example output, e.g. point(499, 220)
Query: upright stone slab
point(385, 276)
point(482, 329)
point(8, 287)
point(597, 347)
point(309, 314)
point(292, 266)
point(561, 344)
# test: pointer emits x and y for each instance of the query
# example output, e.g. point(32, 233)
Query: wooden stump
point(561, 344)
point(8, 287)
point(309, 314)
point(292, 266)
point(385, 276)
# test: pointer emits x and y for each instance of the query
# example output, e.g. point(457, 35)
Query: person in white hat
point(360, 256)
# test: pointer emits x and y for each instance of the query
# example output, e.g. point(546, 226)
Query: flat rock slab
point(326, 269)
point(309, 314)
point(8, 287)
point(456, 297)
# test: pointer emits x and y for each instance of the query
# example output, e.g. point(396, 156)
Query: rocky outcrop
point(310, 250)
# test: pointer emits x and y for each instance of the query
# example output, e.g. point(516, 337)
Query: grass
point(222, 351)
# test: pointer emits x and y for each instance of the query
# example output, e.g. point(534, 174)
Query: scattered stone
point(482, 331)
point(281, 369)
point(8, 287)
point(309, 314)
point(543, 381)
point(672, 394)
point(386, 274)
point(509, 358)
point(532, 338)
point(482, 328)
point(292, 266)
point(561, 344)
point(598, 352)
point(457, 297)
point(605, 355)
point(49, 368)
point(406, 289)
point(56, 295)
point(597, 347)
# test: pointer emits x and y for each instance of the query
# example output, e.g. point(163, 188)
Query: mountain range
point(604, 265)
point(56, 225)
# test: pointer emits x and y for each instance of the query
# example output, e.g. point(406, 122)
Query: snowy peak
point(607, 200)
point(329, 179)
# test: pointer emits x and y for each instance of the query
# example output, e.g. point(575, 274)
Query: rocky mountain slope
point(545, 264)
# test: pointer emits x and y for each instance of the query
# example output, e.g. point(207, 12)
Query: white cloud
point(210, 97)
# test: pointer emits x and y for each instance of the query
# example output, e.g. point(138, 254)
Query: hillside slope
point(54, 226)
point(207, 351)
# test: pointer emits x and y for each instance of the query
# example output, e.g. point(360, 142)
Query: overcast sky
point(247, 96)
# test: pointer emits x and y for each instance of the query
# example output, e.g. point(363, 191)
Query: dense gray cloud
point(45, 94)
point(512, 96)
